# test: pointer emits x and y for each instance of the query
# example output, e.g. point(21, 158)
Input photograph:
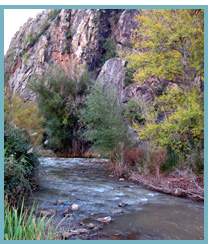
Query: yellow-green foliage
point(169, 44)
point(182, 127)
point(24, 115)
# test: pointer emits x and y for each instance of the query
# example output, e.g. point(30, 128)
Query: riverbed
point(135, 212)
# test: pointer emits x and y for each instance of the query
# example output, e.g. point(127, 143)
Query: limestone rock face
point(126, 26)
point(72, 39)
point(112, 74)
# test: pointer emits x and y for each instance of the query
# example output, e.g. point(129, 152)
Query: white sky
point(13, 20)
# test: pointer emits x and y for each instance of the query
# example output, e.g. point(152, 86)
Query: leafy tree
point(59, 102)
point(170, 45)
point(104, 122)
point(181, 130)
point(25, 115)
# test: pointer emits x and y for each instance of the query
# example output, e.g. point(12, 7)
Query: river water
point(136, 213)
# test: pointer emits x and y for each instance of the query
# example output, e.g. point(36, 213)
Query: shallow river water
point(136, 213)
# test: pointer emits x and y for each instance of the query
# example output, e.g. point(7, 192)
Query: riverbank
point(178, 184)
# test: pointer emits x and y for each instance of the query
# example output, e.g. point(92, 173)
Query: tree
point(59, 102)
point(105, 126)
point(169, 45)
point(24, 115)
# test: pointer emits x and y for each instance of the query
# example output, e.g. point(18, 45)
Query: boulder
point(105, 220)
point(112, 75)
point(68, 234)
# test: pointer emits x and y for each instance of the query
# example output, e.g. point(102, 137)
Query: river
point(136, 213)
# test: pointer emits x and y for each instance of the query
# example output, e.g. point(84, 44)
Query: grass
point(23, 225)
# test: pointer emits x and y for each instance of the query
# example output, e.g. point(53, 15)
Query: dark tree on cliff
point(59, 100)
point(105, 126)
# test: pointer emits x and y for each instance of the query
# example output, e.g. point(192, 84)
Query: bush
point(133, 156)
point(25, 115)
point(22, 225)
point(109, 50)
point(60, 99)
point(104, 122)
point(20, 164)
point(172, 160)
point(53, 13)
point(134, 112)
point(129, 76)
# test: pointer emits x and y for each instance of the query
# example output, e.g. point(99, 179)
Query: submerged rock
point(105, 220)
point(122, 204)
point(68, 234)
point(74, 207)
point(47, 213)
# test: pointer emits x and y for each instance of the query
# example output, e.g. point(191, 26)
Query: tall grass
point(21, 224)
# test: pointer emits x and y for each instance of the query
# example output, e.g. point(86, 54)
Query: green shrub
point(32, 38)
point(134, 112)
point(69, 34)
point(25, 115)
point(53, 13)
point(26, 57)
point(20, 164)
point(59, 104)
point(172, 160)
point(104, 122)
point(22, 225)
point(109, 50)
point(129, 76)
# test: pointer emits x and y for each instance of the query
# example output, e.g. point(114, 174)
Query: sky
point(13, 20)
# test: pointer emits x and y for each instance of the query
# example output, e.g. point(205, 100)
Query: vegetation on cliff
point(170, 49)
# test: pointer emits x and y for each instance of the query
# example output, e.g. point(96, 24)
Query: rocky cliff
point(92, 39)
point(73, 39)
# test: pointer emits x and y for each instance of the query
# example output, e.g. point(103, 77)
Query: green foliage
point(69, 34)
point(23, 225)
point(103, 118)
point(20, 163)
point(109, 50)
point(134, 112)
point(32, 38)
point(182, 127)
point(172, 160)
point(59, 105)
point(170, 45)
point(25, 57)
point(53, 13)
point(24, 115)
point(129, 76)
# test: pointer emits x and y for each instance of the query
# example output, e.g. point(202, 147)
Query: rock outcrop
point(77, 40)
point(72, 39)
point(112, 74)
